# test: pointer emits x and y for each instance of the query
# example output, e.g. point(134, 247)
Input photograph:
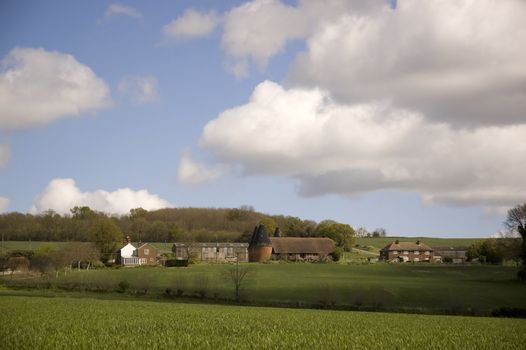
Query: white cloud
point(38, 87)
point(192, 24)
point(260, 29)
point(352, 149)
point(5, 154)
point(62, 194)
point(4, 204)
point(122, 10)
point(140, 90)
point(192, 172)
point(456, 61)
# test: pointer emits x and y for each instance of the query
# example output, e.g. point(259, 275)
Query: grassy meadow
point(379, 242)
point(77, 323)
point(426, 288)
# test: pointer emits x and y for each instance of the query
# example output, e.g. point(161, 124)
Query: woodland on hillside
point(165, 225)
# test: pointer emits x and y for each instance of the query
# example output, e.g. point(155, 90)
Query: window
point(406, 252)
point(146, 251)
point(395, 251)
point(427, 252)
point(417, 252)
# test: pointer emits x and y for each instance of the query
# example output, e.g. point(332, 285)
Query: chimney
point(277, 232)
point(128, 239)
point(418, 242)
point(397, 241)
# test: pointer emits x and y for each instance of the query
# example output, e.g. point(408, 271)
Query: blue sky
point(334, 111)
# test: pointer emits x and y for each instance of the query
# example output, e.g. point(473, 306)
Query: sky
point(407, 115)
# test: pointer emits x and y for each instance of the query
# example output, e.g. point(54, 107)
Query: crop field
point(423, 288)
point(58, 323)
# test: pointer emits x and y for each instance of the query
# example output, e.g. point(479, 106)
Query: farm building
point(407, 252)
point(129, 255)
point(456, 255)
point(301, 248)
point(211, 252)
point(260, 246)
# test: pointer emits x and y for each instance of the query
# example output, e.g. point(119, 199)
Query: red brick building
point(407, 252)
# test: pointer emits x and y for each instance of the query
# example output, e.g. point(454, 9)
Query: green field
point(58, 323)
point(427, 288)
point(381, 242)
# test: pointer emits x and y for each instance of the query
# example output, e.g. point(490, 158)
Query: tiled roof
point(260, 237)
point(302, 245)
point(407, 246)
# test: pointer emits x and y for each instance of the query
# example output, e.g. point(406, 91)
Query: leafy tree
point(489, 251)
point(106, 234)
point(342, 234)
point(83, 213)
point(379, 232)
point(270, 225)
point(516, 222)
point(138, 213)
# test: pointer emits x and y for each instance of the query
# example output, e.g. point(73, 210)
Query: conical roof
point(253, 237)
point(260, 237)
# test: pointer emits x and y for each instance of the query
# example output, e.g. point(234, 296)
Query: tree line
point(164, 225)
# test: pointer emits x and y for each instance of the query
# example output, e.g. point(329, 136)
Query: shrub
point(123, 286)
point(337, 254)
point(176, 263)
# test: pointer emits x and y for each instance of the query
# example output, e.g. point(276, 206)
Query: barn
point(211, 251)
point(262, 248)
point(302, 248)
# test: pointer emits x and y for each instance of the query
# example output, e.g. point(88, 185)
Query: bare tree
point(238, 276)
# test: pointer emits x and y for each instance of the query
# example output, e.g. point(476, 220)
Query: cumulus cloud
point(5, 154)
point(192, 24)
point(260, 29)
point(140, 90)
point(330, 147)
point(38, 87)
point(4, 204)
point(455, 61)
point(62, 194)
point(193, 172)
point(122, 10)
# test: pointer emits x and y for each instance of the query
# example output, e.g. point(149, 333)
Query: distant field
point(381, 242)
point(58, 323)
point(421, 287)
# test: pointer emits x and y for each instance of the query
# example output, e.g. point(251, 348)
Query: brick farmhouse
point(407, 252)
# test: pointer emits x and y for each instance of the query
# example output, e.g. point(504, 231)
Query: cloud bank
point(458, 61)
point(331, 147)
point(38, 87)
point(62, 194)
